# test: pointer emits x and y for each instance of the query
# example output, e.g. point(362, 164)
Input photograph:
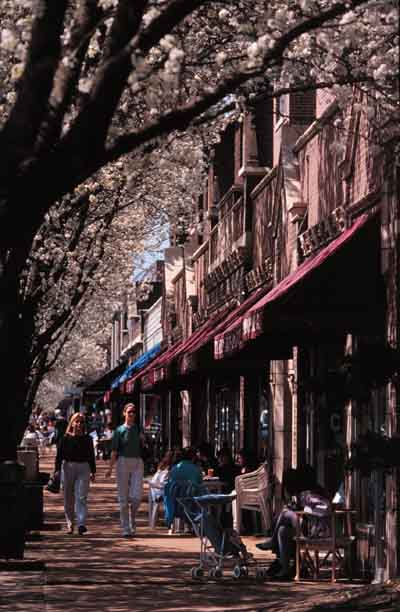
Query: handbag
point(54, 483)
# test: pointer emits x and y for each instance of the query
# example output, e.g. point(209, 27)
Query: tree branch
point(181, 118)
point(91, 125)
point(20, 132)
point(68, 73)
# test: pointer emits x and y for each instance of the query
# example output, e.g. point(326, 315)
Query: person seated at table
point(226, 470)
point(31, 437)
point(205, 457)
point(158, 480)
point(302, 490)
point(157, 483)
point(183, 476)
point(60, 427)
point(247, 461)
point(186, 468)
point(108, 431)
point(104, 444)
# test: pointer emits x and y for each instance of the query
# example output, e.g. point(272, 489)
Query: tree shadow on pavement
point(103, 572)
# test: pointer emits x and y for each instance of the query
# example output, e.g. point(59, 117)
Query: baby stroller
point(220, 547)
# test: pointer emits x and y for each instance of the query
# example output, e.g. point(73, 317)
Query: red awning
point(220, 325)
point(249, 325)
point(156, 370)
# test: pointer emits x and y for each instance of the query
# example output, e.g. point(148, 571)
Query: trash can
point(34, 481)
point(30, 459)
point(12, 510)
point(34, 501)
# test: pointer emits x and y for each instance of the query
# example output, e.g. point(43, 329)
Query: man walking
point(126, 453)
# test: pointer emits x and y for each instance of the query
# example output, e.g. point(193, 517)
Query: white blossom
point(8, 40)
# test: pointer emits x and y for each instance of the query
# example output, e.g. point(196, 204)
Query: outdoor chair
point(154, 504)
point(334, 550)
point(253, 493)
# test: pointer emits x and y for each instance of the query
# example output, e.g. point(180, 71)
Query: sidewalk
point(102, 572)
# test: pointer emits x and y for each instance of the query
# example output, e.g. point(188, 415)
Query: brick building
point(281, 308)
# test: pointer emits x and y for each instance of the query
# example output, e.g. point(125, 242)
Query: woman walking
point(75, 454)
point(126, 452)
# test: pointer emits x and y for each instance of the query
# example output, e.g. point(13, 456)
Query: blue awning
point(136, 365)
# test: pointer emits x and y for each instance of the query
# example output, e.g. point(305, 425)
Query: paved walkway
point(102, 572)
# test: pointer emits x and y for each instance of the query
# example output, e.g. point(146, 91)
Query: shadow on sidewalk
point(103, 572)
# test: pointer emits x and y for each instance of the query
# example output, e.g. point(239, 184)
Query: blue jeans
point(282, 538)
point(76, 482)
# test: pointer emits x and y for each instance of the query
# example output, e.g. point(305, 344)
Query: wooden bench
point(337, 548)
point(253, 493)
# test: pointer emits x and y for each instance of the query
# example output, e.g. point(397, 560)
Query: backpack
point(316, 523)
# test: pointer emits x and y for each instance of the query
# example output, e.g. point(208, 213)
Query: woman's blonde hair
point(71, 423)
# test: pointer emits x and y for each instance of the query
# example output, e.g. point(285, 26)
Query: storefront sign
point(229, 287)
point(147, 380)
point(259, 276)
point(323, 232)
point(226, 268)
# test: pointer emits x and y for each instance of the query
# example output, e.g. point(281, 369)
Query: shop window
point(298, 107)
point(264, 421)
point(227, 419)
point(224, 161)
point(302, 107)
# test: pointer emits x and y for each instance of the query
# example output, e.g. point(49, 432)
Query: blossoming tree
point(87, 83)
point(143, 214)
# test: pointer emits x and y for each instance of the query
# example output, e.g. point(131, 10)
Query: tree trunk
point(15, 339)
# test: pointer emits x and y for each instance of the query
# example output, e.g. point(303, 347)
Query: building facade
point(280, 309)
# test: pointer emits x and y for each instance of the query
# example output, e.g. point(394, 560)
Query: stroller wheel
point(197, 572)
point(237, 572)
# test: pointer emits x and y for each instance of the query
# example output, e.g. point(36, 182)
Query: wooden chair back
point(336, 548)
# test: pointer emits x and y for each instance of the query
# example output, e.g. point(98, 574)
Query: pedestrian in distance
point(75, 455)
point(60, 427)
point(126, 448)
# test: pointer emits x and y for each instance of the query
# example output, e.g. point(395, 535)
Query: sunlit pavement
point(103, 572)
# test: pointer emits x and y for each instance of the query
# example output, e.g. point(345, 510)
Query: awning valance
point(217, 327)
point(249, 325)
